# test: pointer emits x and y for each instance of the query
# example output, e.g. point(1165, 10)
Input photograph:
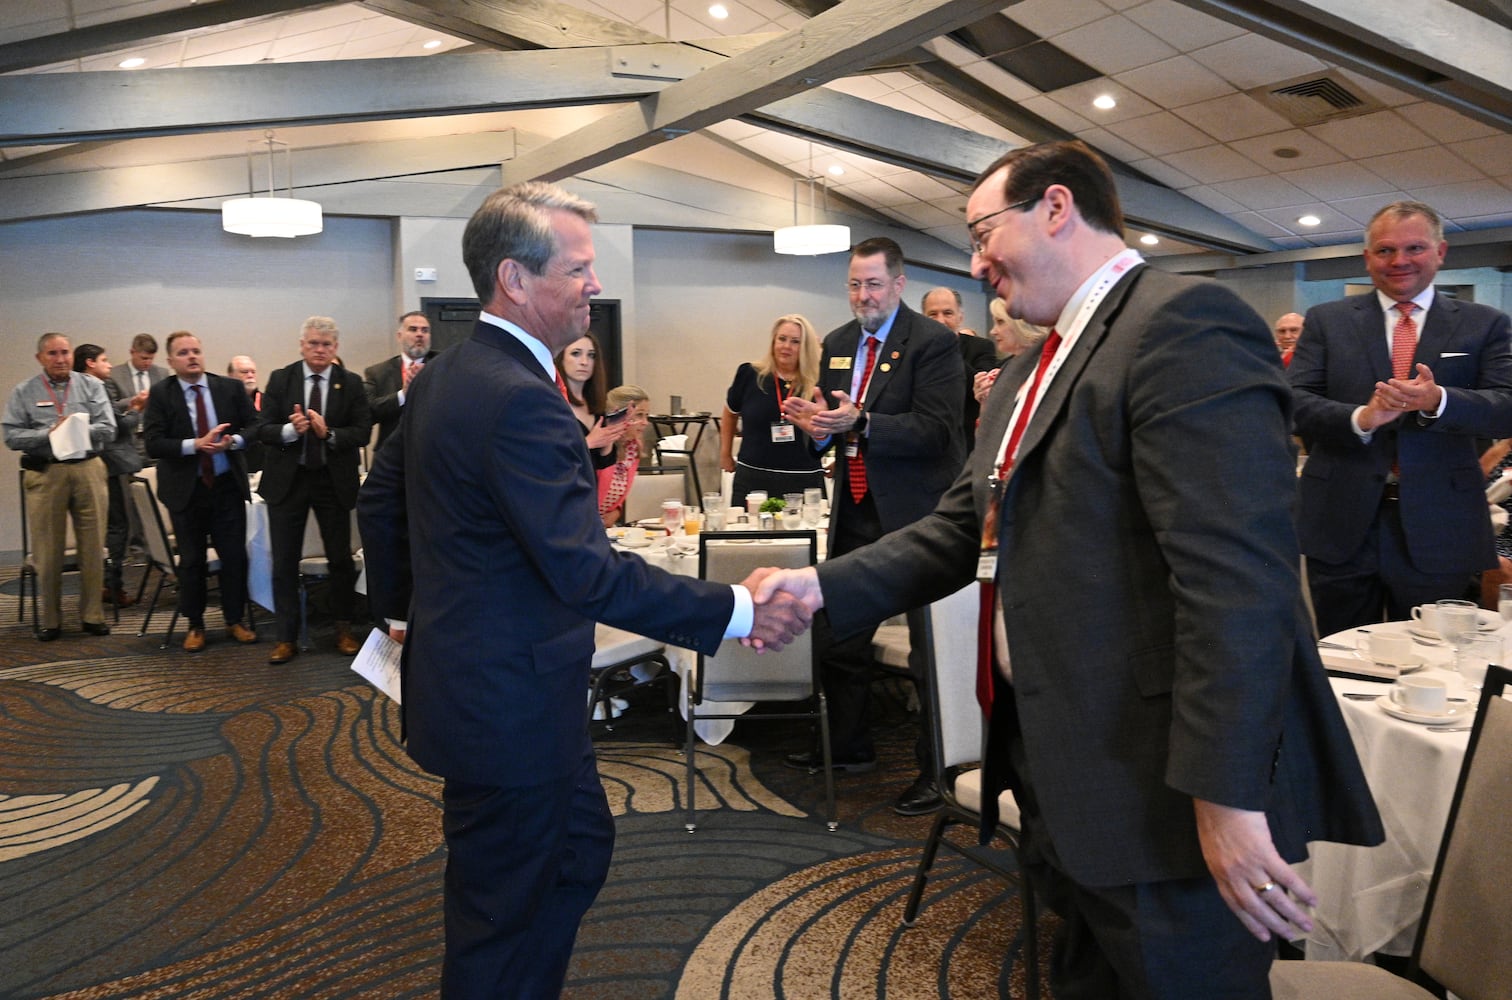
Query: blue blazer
point(1341, 355)
point(511, 570)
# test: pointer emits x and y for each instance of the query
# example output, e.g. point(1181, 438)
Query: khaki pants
point(67, 489)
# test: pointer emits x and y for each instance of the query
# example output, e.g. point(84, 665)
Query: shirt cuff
point(1443, 402)
point(743, 616)
point(401, 396)
point(1354, 425)
point(186, 447)
point(289, 435)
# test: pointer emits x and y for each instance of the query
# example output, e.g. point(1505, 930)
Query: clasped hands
point(1397, 396)
point(311, 421)
point(820, 421)
point(784, 603)
point(214, 440)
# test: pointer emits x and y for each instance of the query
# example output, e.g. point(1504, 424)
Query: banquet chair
point(674, 452)
point(738, 673)
point(1464, 941)
point(652, 486)
point(29, 563)
point(162, 557)
point(616, 655)
point(947, 631)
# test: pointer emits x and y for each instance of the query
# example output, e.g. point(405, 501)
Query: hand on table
point(1264, 892)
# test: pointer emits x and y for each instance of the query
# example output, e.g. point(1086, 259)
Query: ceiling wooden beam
point(840, 41)
point(514, 24)
point(113, 36)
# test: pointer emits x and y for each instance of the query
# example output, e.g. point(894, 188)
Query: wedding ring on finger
point(1263, 889)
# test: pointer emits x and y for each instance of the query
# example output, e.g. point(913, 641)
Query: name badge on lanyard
point(782, 433)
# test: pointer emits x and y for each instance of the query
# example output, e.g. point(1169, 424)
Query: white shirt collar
point(1422, 300)
point(537, 349)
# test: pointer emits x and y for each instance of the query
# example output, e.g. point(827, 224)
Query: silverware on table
point(1450, 729)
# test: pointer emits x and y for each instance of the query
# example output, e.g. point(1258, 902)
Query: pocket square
point(1454, 354)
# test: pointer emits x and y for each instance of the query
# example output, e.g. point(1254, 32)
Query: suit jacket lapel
point(1370, 328)
point(844, 347)
point(890, 355)
point(1437, 331)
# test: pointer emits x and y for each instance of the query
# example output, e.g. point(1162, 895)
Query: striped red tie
point(856, 465)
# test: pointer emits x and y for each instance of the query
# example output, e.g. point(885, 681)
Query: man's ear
point(511, 280)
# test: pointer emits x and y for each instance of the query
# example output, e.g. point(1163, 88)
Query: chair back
point(735, 672)
point(1465, 936)
point(948, 634)
point(154, 532)
point(650, 488)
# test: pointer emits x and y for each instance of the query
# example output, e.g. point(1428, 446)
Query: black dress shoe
point(918, 799)
point(48, 634)
point(813, 762)
point(96, 628)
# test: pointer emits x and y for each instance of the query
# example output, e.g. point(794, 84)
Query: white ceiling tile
point(160, 56)
point(318, 19)
point(895, 80)
point(790, 21)
point(1291, 242)
point(904, 102)
point(868, 88)
point(777, 147)
point(1264, 192)
point(982, 125)
point(231, 57)
point(1332, 222)
point(1050, 17)
point(1368, 135)
point(1113, 45)
point(921, 186)
point(1180, 25)
point(1312, 151)
point(1475, 198)
point(1422, 168)
point(947, 107)
point(1337, 180)
point(1492, 154)
point(1254, 61)
point(923, 216)
point(1211, 164)
point(303, 42)
point(404, 42)
point(1443, 124)
point(1056, 114)
point(1108, 144)
point(1215, 200)
point(873, 192)
point(1164, 173)
point(734, 130)
point(1237, 116)
point(1260, 225)
point(1485, 222)
point(1361, 210)
point(1000, 80)
point(88, 13)
point(1078, 99)
point(742, 20)
point(1174, 82)
point(769, 9)
point(1160, 133)
point(259, 33)
point(1387, 95)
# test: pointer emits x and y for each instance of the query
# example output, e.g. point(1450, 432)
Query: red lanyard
point(57, 404)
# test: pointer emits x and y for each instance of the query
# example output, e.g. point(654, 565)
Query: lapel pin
point(895, 355)
point(886, 367)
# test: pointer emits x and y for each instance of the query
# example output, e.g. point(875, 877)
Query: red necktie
point(562, 386)
point(988, 606)
point(314, 447)
point(410, 371)
point(202, 423)
point(856, 465)
point(1403, 342)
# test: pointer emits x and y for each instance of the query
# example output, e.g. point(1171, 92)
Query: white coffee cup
point(1427, 616)
point(1389, 647)
point(635, 536)
point(1422, 695)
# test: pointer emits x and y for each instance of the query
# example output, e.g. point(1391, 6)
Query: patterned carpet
point(213, 827)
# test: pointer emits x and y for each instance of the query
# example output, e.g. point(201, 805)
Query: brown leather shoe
point(346, 642)
point(119, 598)
point(241, 633)
point(194, 640)
point(283, 653)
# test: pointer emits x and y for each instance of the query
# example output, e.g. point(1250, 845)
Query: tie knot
point(1406, 308)
point(315, 377)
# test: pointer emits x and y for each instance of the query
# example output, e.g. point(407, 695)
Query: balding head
point(943, 305)
point(1288, 329)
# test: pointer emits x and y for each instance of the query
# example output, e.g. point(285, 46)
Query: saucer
point(1453, 712)
point(634, 543)
point(1407, 666)
point(1489, 621)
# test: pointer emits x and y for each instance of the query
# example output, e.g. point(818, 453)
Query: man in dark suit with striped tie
point(1392, 390)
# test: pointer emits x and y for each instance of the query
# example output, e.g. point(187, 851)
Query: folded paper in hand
point(378, 663)
point(1501, 489)
point(70, 439)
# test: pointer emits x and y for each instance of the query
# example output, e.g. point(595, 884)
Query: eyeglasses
point(1412, 251)
point(974, 239)
point(871, 286)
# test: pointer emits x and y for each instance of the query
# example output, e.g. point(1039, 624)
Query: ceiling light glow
point(434, 43)
point(836, 170)
point(1309, 220)
point(132, 63)
point(718, 12)
point(1149, 239)
point(1104, 102)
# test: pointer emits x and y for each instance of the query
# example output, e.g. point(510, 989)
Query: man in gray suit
point(1156, 699)
point(1392, 391)
point(135, 379)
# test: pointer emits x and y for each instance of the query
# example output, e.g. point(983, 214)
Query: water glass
point(1457, 620)
point(814, 494)
point(1504, 601)
point(810, 515)
point(1474, 655)
point(672, 516)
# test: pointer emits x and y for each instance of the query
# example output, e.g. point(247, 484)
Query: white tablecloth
point(1370, 899)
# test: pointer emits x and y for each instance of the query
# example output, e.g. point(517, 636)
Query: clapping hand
point(213, 440)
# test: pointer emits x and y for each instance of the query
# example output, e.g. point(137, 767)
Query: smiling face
point(1013, 254)
point(556, 301)
point(1402, 255)
point(579, 360)
point(56, 358)
point(874, 293)
point(787, 342)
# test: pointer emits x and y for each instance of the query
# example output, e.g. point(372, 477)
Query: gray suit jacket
point(1341, 356)
point(124, 376)
point(1148, 574)
point(383, 382)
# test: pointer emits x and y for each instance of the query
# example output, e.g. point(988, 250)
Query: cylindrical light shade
point(811, 240)
point(272, 216)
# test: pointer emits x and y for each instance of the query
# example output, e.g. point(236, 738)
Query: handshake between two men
point(784, 604)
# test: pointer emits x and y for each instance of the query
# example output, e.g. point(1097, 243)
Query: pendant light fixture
point(272, 214)
point(812, 239)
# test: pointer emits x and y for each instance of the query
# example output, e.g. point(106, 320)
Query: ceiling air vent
point(1316, 98)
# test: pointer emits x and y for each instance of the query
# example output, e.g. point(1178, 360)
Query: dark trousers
point(1377, 583)
point(217, 513)
point(1168, 940)
point(846, 665)
point(286, 531)
point(523, 866)
point(117, 531)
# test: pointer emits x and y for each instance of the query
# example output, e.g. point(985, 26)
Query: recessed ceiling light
point(718, 12)
point(1309, 220)
point(1286, 153)
point(1104, 102)
point(836, 170)
point(1149, 239)
point(132, 63)
point(434, 43)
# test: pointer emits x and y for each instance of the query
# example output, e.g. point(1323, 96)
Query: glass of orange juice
point(692, 520)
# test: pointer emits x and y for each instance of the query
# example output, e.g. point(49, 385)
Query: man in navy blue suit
point(1392, 389)
point(511, 570)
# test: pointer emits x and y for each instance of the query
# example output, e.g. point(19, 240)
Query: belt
point(34, 464)
point(1393, 491)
